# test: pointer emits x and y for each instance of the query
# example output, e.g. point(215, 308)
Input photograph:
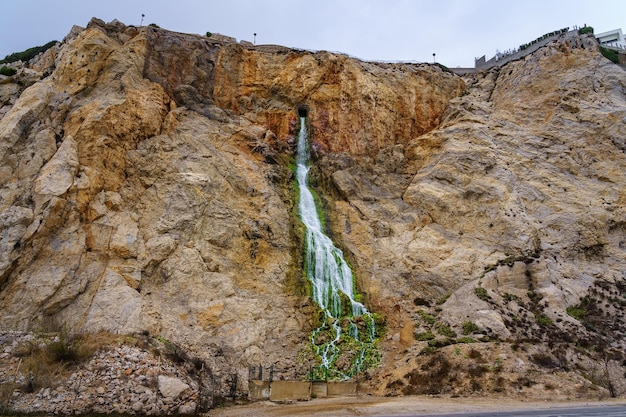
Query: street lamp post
point(255, 38)
point(434, 58)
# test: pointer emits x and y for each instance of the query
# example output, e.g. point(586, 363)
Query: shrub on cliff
point(28, 54)
point(7, 71)
point(586, 29)
point(469, 328)
point(610, 54)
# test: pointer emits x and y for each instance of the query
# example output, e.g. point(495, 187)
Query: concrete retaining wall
point(319, 390)
point(341, 388)
point(280, 391)
point(481, 64)
point(289, 390)
point(259, 390)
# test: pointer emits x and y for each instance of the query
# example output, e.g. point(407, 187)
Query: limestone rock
point(57, 176)
point(171, 387)
point(115, 306)
point(14, 222)
point(145, 187)
point(187, 409)
point(376, 111)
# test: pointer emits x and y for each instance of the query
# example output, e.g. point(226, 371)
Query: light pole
point(255, 38)
point(434, 58)
point(142, 16)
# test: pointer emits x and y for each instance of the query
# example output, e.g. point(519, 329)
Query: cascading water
point(348, 329)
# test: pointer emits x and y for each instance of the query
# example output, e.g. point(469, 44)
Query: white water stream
point(331, 278)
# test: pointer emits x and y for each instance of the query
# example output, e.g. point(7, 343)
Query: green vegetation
point(469, 328)
point(349, 355)
point(577, 313)
point(509, 297)
point(526, 257)
point(154, 25)
point(438, 343)
point(443, 299)
point(542, 319)
point(610, 54)
point(580, 311)
point(424, 336)
point(357, 347)
point(445, 330)
point(379, 321)
point(547, 35)
point(27, 54)
point(443, 67)
point(482, 293)
point(7, 71)
point(497, 366)
point(209, 34)
point(465, 339)
point(428, 319)
point(428, 350)
point(585, 30)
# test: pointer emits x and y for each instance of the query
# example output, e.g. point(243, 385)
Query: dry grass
point(53, 357)
point(6, 391)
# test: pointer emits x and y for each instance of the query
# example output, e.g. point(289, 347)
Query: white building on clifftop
point(613, 38)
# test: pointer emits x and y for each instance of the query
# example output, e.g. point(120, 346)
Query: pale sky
point(457, 31)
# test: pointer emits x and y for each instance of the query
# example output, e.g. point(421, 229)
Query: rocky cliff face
point(145, 188)
point(508, 216)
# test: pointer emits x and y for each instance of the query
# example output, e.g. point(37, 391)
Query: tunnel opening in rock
point(303, 110)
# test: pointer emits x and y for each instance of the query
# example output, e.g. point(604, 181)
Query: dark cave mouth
point(303, 110)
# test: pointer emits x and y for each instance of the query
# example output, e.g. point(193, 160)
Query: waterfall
point(332, 285)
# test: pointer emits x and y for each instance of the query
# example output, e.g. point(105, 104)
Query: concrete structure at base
point(282, 391)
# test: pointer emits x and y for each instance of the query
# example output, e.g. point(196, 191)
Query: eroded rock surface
point(145, 188)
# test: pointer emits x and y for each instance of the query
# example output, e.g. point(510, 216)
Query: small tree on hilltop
point(585, 30)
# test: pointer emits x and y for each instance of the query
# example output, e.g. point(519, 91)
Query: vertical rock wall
point(145, 188)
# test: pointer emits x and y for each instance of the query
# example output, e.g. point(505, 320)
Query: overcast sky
point(457, 31)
